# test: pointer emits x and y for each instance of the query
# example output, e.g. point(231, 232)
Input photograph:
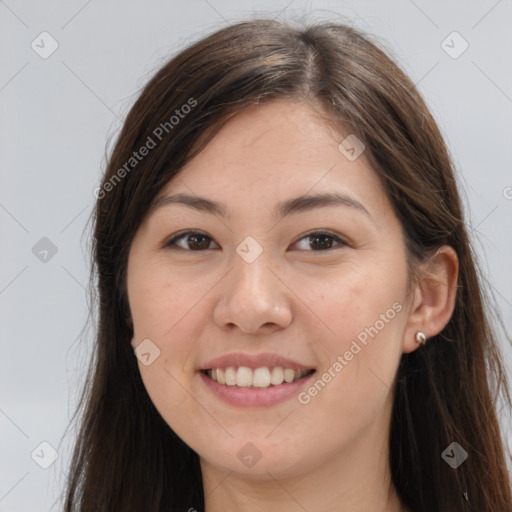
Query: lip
point(250, 397)
point(254, 361)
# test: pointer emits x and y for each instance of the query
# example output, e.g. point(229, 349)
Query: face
point(266, 277)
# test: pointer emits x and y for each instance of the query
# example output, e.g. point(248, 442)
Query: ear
point(434, 297)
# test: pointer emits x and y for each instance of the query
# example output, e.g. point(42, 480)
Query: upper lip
point(253, 361)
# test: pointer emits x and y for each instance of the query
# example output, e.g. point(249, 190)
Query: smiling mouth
point(256, 378)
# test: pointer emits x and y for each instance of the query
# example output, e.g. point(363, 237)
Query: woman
point(290, 317)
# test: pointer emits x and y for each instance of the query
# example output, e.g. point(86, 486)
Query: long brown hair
point(126, 457)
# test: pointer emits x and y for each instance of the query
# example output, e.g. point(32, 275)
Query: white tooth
point(230, 376)
point(289, 375)
point(221, 379)
point(277, 376)
point(244, 377)
point(261, 378)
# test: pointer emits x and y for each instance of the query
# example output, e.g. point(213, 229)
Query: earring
point(420, 338)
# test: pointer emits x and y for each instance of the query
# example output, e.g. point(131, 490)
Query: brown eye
point(193, 241)
point(196, 241)
point(321, 241)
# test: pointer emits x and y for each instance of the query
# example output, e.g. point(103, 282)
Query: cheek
point(355, 300)
point(170, 310)
point(365, 317)
point(162, 302)
point(166, 309)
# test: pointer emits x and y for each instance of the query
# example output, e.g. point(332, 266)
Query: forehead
point(273, 151)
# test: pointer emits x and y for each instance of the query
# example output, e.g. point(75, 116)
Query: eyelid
point(342, 242)
point(338, 238)
point(171, 242)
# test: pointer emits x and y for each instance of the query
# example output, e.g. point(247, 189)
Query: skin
point(297, 299)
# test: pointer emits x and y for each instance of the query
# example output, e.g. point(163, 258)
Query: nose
point(253, 298)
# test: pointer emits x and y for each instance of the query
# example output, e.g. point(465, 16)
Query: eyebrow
point(282, 209)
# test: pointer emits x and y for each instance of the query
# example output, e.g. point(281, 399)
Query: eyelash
point(171, 244)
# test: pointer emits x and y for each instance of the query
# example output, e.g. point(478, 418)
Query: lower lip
point(251, 397)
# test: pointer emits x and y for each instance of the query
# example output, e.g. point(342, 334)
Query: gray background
point(59, 112)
